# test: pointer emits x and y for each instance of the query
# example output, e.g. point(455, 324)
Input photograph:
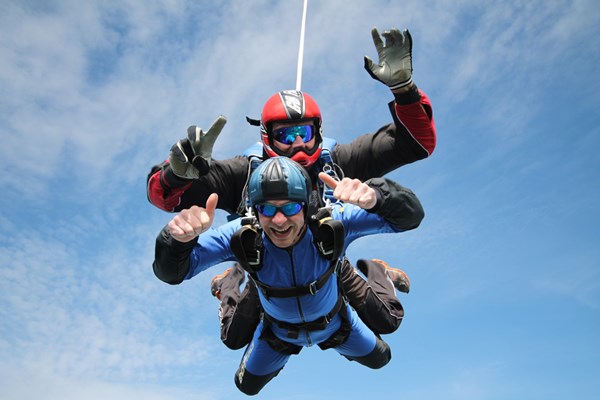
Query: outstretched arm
point(412, 134)
point(351, 191)
point(177, 239)
point(398, 205)
point(412, 108)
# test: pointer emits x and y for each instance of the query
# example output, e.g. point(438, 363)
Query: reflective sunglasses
point(288, 209)
point(289, 134)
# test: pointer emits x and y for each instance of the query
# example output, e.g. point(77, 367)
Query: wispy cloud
point(95, 314)
point(94, 94)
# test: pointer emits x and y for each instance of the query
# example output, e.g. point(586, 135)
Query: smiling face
point(283, 231)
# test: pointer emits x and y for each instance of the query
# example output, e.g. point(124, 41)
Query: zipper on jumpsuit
point(309, 341)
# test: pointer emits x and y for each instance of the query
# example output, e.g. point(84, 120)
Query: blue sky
point(505, 298)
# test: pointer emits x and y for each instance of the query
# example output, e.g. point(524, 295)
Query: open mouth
point(281, 233)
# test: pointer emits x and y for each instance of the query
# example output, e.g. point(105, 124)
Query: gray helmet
point(279, 178)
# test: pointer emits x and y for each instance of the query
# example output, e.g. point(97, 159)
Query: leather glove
point(395, 58)
point(190, 158)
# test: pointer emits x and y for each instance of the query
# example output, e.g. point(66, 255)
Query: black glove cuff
point(173, 180)
point(201, 165)
point(408, 97)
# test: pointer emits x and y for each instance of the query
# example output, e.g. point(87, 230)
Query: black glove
point(190, 158)
point(395, 58)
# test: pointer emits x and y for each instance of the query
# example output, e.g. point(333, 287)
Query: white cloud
point(83, 315)
point(93, 94)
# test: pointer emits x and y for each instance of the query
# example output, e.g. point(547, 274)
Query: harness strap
point(277, 344)
point(327, 192)
point(340, 336)
point(316, 325)
point(328, 233)
point(336, 339)
point(296, 291)
point(246, 246)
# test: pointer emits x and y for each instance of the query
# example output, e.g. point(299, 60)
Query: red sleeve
point(160, 193)
point(417, 118)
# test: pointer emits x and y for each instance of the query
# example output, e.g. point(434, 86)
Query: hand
point(351, 191)
point(395, 59)
point(190, 158)
point(191, 222)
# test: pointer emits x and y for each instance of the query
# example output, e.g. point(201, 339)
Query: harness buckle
point(255, 261)
point(312, 288)
point(324, 251)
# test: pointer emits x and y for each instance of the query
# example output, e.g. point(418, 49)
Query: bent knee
point(378, 358)
point(251, 384)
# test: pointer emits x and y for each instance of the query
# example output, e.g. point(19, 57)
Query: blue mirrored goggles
point(289, 134)
point(288, 209)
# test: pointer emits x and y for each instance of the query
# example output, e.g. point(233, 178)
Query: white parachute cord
point(301, 48)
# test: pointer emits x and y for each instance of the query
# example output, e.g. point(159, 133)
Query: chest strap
point(296, 291)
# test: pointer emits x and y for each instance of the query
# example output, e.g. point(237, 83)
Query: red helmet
point(291, 106)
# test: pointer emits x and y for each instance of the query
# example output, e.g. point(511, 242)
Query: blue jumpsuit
point(297, 266)
point(397, 209)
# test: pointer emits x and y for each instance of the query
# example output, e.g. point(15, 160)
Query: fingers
point(390, 38)
point(376, 39)
point(396, 37)
point(217, 126)
point(179, 152)
point(328, 180)
point(185, 226)
point(401, 38)
point(179, 157)
point(211, 206)
point(203, 142)
point(355, 192)
point(349, 190)
point(190, 223)
point(194, 134)
point(180, 230)
point(368, 63)
point(407, 37)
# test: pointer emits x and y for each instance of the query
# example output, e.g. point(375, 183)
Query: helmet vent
point(274, 181)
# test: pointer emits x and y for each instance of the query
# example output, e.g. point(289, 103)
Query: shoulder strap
point(246, 245)
point(256, 150)
point(328, 234)
point(329, 144)
point(327, 165)
point(254, 154)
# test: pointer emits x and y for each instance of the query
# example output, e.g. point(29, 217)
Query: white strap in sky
point(301, 49)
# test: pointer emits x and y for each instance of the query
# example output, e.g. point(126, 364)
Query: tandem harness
point(328, 235)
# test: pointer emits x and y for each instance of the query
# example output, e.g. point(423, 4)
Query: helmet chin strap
point(301, 150)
